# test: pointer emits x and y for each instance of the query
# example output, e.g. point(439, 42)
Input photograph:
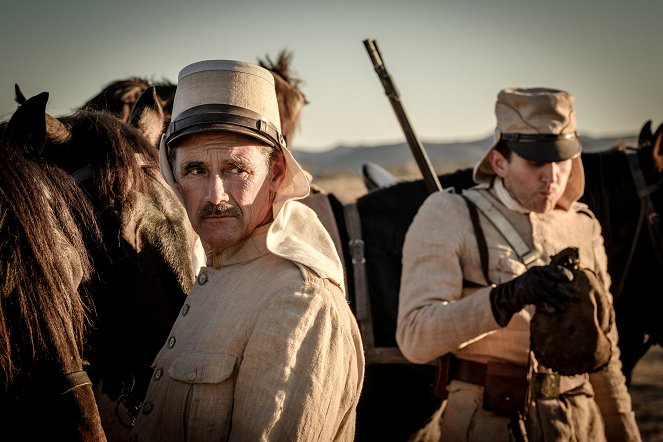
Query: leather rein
point(648, 213)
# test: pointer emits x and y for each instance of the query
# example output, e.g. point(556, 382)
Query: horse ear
point(19, 97)
point(645, 134)
point(656, 141)
point(27, 127)
point(147, 115)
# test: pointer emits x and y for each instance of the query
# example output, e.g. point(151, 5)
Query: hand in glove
point(546, 287)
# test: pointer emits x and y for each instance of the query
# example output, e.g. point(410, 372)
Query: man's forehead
point(220, 139)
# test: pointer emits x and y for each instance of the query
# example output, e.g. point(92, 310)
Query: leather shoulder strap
point(481, 238)
point(506, 229)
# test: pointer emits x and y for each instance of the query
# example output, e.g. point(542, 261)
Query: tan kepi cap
point(539, 124)
point(235, 96)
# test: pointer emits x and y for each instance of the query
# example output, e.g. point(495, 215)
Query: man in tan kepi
point(265, 347)
point(477, 267)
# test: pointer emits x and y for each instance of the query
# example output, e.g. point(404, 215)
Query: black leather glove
point(546, 287)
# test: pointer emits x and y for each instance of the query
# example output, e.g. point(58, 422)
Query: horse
point(397, 399)
point(291, 99)
point(45, 310)
point(143, 271)
point(119, 97)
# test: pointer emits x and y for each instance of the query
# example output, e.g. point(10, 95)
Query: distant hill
point(444, 157)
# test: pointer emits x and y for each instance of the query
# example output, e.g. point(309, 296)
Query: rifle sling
point(526, 255)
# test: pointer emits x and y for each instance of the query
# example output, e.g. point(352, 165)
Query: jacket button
point(147, 408)
point(202, 278)
point(171, 342)
point(185, 309)
point(158, 374)
point(192, 376)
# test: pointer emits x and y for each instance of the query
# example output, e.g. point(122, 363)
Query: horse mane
point(288, 93)
point(120, 96)
point(44, 223)
point(115, 150)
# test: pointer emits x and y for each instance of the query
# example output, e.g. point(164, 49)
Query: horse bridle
point(647, 212)
point(86, 172)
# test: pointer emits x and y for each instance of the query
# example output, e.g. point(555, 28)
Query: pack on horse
point(45, 312)
point(623, 189)
point(143, 271)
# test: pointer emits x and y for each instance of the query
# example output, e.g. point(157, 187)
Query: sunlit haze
point(448, 59)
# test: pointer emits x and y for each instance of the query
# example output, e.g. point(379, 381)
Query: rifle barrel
point(430, 177)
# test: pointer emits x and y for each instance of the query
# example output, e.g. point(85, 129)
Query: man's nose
point(549, 172)
point(216, 190)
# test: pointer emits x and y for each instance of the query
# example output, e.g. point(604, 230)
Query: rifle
point(417, 148)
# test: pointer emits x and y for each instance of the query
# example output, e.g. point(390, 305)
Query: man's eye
point(197, 171)
point(235, 170)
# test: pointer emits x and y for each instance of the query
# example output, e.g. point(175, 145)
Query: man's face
point(535, 185)
point(228, 185)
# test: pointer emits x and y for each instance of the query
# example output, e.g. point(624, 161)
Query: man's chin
point(216, 227)
point(217, 221)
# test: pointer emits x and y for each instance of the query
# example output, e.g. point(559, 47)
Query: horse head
point(93, 145)
point(291, 100)
point(120, 97)
point(650, 143)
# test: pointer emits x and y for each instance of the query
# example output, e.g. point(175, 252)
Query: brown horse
point(143, 271)
point(290, 97)
point(45, 224)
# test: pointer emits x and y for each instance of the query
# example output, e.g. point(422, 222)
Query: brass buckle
point(545, 385)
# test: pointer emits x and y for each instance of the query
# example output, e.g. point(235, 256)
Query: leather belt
point(467, 371)
point(544, 385)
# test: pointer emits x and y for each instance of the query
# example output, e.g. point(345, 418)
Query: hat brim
point(546, 151)
point(220, 127)
point(540, 151)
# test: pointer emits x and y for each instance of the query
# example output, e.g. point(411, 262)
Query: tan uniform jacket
point(437, 316)
point(264, 350)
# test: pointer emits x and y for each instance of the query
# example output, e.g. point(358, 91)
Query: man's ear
point(499, 164)
point(277, 170)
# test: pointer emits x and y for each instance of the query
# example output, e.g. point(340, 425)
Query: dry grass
point(346, 188)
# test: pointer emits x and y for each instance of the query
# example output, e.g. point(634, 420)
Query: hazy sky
point(448, 58)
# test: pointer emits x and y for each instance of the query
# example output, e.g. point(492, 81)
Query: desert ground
point(647, 383)
point(647, 395)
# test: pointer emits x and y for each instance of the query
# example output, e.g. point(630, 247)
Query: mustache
point(209, 210)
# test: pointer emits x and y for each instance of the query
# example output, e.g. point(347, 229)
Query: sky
point(448, 58)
